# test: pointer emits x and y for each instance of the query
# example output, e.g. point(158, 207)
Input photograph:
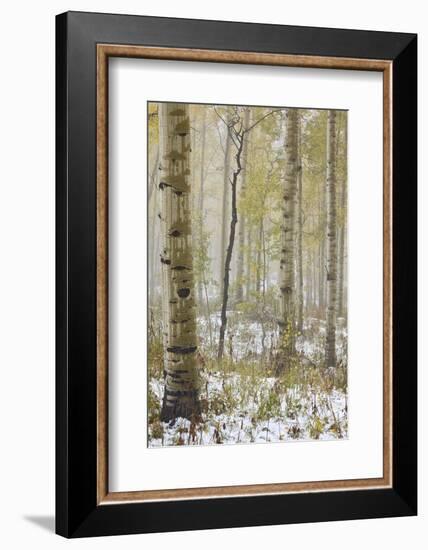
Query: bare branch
point(262, 118)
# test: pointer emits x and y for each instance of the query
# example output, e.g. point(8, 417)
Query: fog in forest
point(247, 274)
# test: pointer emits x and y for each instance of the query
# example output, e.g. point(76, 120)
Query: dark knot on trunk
point(183, 292)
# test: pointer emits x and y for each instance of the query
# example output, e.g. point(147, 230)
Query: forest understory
point(244, 400)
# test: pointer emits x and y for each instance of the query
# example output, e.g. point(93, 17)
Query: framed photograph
point(236, 274)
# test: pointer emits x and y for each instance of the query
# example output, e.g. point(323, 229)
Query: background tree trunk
point(242, 221)
point(258, 286)
point(225, 209)
point(248, 262)
point(341, 309)
point(309, 285)
point(201, 196)
point(340, 271)
point(181, 376)
point(287, 282)
point(233, 221)
point(322, 272)
point(300, 235)
point(330, 348)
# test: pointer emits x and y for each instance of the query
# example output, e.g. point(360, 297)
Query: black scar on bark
point(285, 289)
point(180, 393)
point(176, 191)
point(183, 292)
point(182, 322)
point(181, 351)
point(176, 377)
point(177, 112)
point(174, 156)
point(177, 372)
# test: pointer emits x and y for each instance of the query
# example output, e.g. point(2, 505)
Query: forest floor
point(244, 400)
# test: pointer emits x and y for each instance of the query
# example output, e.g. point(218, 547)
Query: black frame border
point(77, 512)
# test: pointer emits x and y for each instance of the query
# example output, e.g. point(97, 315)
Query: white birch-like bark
point(300, 234)
point(180, 342)
point(322, 271)
point(309, 286)
point(287, 281)
point(164, 218)
point(201, 193)
point(330, 345)
point(341, 303)
point(153, 241)
point(248, 263)
point(258, 286)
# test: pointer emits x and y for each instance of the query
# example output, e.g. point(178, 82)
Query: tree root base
point(185, 406)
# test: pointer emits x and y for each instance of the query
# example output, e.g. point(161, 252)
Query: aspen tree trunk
point(154, 174)
point(309, 298)
point(180, 363)
point(201, 196)
point(300, 235)
point(316, 300)
point(153, 242)
point(264, 283)
point(164, 219)
point(242, 221)
point(259, 258)
point(250, 248)
point(152, 204)
point(225, 209)
point(340, 271)
point(322, 274)
point(341, 309)
point(248, 260)
point(330, 346)
point(287, 283)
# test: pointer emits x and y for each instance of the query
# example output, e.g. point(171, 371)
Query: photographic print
point(247, 274)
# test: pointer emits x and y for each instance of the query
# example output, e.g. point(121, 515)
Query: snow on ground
point(256, 408)
point(262, 413)
point(244, 338)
